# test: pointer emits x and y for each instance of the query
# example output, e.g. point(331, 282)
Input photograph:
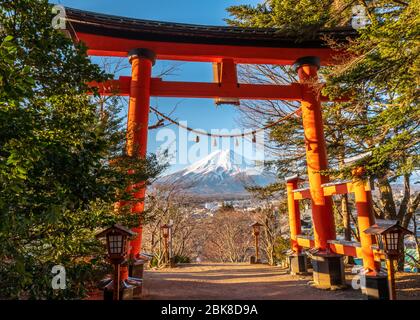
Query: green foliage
point(281, 246)
point(182, 259)
point(300, 20)
point(382, 75)
point(303, 17)
point(412, 259)
point(61, 165)
point(380, 72)
point(154, 262)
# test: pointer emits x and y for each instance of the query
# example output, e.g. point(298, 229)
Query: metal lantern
point(389, 236)
point(165, 233)
point(394, 244)
point(256, 228)
point(256, 232)
point(165, 230)
point(116, 241)
point(117, 244)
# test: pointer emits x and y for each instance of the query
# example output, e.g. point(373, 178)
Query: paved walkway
point(238, 281)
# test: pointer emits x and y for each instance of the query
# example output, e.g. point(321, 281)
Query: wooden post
point(116, 295)
point(167, 251)
point(391, 278)
point(256, 248)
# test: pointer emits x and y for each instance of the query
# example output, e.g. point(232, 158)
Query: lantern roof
point(385, 226)
point(116, 227)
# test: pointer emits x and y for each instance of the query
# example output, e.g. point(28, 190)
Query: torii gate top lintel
point(107, 35)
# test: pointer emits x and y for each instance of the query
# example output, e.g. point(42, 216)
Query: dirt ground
point(241, 281)
point(214, 281)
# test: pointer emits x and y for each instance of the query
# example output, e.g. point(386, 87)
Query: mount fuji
point(221, 172)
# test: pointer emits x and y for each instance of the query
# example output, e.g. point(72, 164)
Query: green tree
point(294, 17)
point(380, 73)
point(62, 165)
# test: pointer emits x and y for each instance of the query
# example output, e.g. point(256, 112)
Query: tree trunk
point(387, 199)
point(406, 200)
point(345, 210)
point(346, 217)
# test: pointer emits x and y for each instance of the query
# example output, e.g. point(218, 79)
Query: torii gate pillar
point(328, 268)
point(297, 259)
point(141, 61)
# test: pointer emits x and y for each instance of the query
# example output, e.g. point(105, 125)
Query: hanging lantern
point(256, 227)
point(254, 137)
point(389, 236)
point(165, 230)
point(197, 139)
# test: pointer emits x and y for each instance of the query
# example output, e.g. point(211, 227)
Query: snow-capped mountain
point(221, 172)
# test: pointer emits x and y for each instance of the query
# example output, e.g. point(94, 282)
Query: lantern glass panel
point(396, 240)
point(116, 244)
point(388, 239)
point(392, 242)
point(380, 242)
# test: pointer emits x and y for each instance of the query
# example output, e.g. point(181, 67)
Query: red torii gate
point(145, 41)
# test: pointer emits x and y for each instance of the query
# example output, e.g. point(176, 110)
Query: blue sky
point(199, 113)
